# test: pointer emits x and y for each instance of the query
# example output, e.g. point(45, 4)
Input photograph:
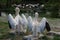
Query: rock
point(41, 35)
point(53, 33)
point(29, 37)
point(3, 14)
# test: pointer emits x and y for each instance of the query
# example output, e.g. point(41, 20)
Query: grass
point(5, 35)
point(56, 37)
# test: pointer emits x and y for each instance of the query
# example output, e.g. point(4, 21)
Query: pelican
point(32, 24)
point(15, 22)
point(35, 20)
point(38, 27)
point(18, 19)
point(35, 23)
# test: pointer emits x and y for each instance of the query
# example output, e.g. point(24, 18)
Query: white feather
point(24, 19)
point(42, 25)
point(19, 27)
point(24, 22)
point(12, 22)
point(30, 23)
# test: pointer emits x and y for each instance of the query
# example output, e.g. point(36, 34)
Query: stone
point(3, 14)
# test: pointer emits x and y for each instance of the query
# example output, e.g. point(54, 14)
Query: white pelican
point(33, 23)
point(38, 27)
point(18, 19)
point(15, 22)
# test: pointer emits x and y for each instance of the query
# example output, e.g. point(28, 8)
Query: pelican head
point(36, 15)
point(44, 19)
point(17, 10)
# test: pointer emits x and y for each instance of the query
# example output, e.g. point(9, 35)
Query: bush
point(55, 11)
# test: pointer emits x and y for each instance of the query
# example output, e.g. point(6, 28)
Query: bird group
point(21, 23)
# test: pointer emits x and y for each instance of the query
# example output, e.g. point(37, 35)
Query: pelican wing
point(24, 22)
point(11, 21)
point(42, 25)
point(24, 19)
point(30, 23)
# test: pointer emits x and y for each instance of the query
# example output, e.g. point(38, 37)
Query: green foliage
point(56, 37)
point(55, 11)
point(53, 6)
point(17, 1)
point(10, 10)
point(3, 1)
